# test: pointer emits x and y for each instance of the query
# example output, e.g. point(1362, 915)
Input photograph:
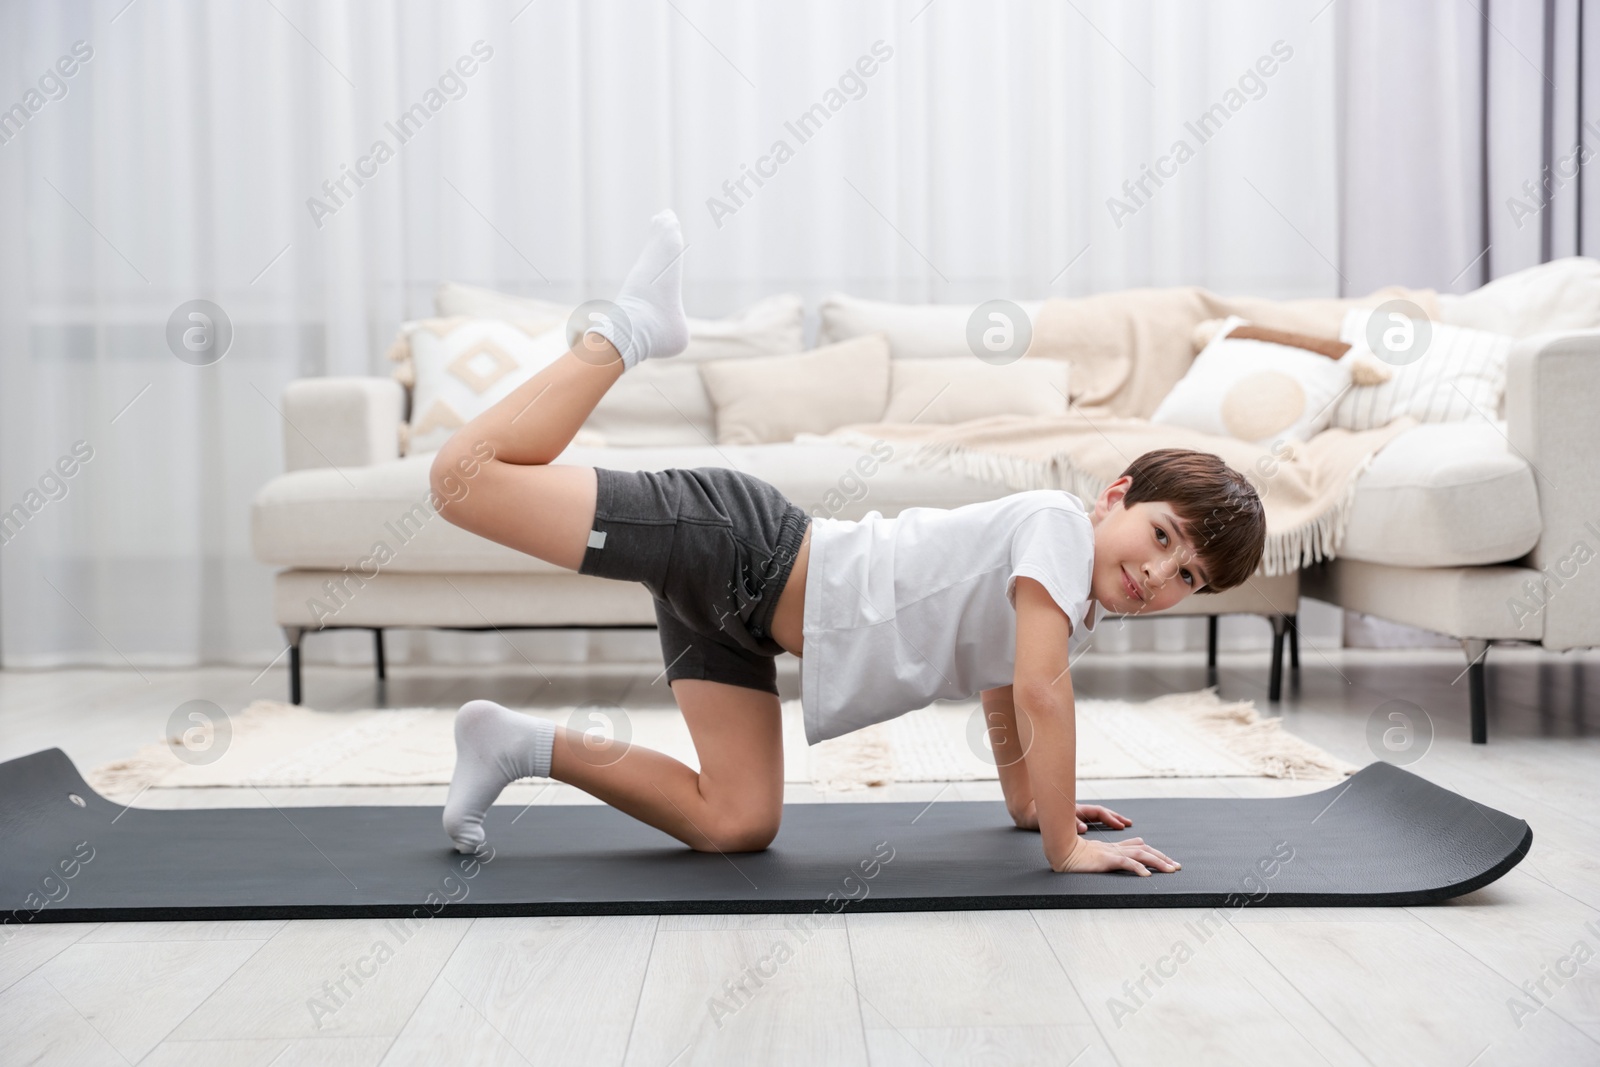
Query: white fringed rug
point(1181, 735)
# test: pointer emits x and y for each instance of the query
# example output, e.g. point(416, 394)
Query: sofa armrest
point(1552, 385)
point(341, 422)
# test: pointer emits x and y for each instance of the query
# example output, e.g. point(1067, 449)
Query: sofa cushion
point(1439, 495)
point(771, 399)
point(1256, 390)
point(369, 520)
point(461, 367)
point(1563, 294)
point(914, 330)
point(1442, 373)
point(942, 391)
point(834, 481)
point(318, 518)
point(1444, 494)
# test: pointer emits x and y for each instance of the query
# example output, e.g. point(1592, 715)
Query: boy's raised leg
point(514, 495)
point(495, 475)
point(538, 419)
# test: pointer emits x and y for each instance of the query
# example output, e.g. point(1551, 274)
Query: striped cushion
point(1459, 376)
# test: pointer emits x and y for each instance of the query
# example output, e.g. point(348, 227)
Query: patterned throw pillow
point(462, 366)
point(661, 402)
point(1256, 390)
point(1442, 373)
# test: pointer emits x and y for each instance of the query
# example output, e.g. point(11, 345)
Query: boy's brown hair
point(1217, 507)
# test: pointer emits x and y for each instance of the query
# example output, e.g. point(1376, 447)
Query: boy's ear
point(1112, 494)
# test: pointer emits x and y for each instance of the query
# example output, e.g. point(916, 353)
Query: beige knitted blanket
point(1130, 347)
point(1127, 350)
point(1307, 497)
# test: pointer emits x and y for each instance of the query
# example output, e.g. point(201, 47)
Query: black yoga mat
point(1384, 837)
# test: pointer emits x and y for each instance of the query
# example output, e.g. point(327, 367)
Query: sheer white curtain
point(994, 150)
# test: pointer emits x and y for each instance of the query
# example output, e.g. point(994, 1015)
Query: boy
point(887, 615)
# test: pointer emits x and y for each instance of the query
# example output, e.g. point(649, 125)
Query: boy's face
point(1143, 543)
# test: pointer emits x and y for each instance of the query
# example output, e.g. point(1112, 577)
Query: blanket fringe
point(1286, 550)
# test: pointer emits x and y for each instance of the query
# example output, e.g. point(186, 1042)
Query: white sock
point(494, 747)
point(651, 298)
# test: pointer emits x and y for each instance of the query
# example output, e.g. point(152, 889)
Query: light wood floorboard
point(1455, 984)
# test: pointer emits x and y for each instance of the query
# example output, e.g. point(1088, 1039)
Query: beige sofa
point(1452, 527)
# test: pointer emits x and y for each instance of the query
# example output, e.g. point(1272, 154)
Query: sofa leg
point(1477, 650)
point(1211, 650)
point(293, 635)
point(1294, 643)
point(377, 650)
point(1275, 683)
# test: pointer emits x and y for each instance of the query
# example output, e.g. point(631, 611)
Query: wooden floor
point(1510, 974)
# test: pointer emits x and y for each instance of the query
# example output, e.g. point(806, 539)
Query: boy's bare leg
point(538, 419)
point(519, 498)
point(732, 804)
point(494, 476)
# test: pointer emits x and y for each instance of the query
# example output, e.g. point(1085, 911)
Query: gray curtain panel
point(1465, 130)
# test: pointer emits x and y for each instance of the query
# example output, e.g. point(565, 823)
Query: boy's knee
point(449, 477)
point(742, 831)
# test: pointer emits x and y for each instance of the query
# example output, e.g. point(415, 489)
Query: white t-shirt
point(902, 612)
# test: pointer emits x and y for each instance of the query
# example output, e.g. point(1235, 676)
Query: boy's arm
point(1046, 724)
point(1000, 716)
point(1000, 723)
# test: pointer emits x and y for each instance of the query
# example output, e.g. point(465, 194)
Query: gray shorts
point(714, 546)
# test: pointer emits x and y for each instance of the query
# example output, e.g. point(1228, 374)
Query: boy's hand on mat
point(1089, 856)
point(1088, 813)
point(1029, 819)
